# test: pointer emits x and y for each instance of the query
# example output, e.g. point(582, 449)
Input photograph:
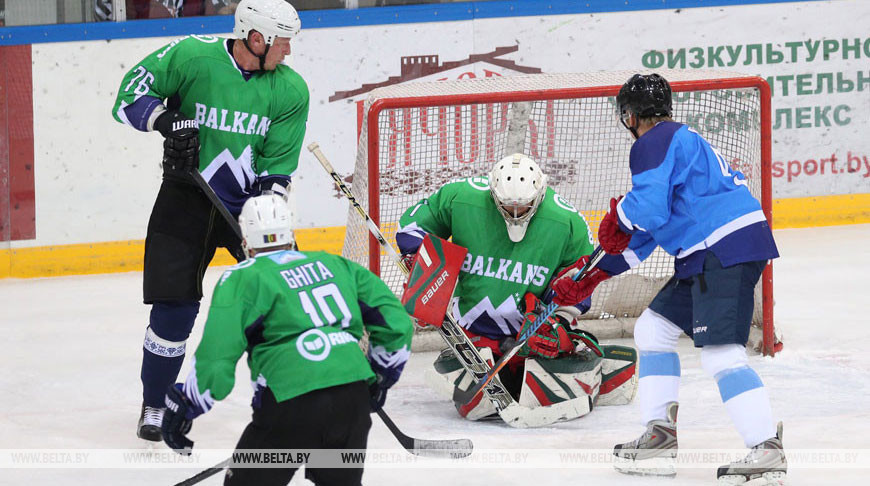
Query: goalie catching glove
point(555, 336)
point(181, 147)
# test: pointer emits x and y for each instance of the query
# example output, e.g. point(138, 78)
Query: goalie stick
point(467, 395)
point(508, 409)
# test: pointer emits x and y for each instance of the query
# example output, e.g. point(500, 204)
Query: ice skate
point(653, 453)
point(765, 465)
point(150, 420)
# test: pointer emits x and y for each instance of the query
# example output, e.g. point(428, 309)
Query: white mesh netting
point(567, 123)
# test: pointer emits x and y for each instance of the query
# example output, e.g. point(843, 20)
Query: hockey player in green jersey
point(520, 235)
point(299, 316)
point(229, 109)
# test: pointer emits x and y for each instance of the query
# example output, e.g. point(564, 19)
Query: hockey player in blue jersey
point(686, 199)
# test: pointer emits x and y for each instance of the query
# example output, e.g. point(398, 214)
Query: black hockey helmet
point(645, 96)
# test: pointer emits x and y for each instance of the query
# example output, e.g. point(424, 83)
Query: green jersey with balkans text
point(497, 272)
point(299, 316)
point(250, 124)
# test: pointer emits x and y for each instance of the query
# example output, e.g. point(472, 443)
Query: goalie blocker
point(433, 277)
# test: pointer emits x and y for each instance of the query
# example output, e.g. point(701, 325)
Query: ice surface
point(72, 348)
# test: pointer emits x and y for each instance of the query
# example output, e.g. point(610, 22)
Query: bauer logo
point(430, 292)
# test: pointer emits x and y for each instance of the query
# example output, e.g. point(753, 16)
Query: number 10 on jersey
point(318, 296)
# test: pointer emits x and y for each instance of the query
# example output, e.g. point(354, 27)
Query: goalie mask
point(517, 186)
point(266, 222)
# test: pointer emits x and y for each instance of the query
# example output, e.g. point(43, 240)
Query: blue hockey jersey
point(686, 198)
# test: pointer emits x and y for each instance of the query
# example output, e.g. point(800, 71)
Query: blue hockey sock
point(164, 348)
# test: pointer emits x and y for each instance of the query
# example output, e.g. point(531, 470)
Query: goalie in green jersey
point(299, 317)
point(520, 236)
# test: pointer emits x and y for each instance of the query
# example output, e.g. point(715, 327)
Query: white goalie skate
point(654, 453)
point(765, 465)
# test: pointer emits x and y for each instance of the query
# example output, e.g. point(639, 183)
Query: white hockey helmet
point(272, 18)
point(517, 185)
point(266, 222)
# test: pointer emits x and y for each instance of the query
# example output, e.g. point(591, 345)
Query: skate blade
point(775, 478)
point(655, 466)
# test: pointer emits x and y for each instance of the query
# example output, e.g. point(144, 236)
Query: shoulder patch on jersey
point(563, 203)
point(649, 151)
point(242, 264)
point(238, 266)
point(208, 39)
point(480, 183)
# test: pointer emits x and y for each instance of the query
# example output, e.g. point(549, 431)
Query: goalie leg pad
point(618, 375)
point(451, 375)
point(551, 383)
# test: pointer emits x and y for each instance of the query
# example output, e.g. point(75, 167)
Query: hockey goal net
point(416, 137)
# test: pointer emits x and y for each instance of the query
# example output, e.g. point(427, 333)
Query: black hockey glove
point(176, 425)
point(181, 147)
point(385, 377)
point(378, 393)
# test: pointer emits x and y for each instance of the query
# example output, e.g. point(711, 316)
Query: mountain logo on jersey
point(315, 345)
point(233, 122)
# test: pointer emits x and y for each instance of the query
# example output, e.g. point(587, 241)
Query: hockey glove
point(572, 292)
point(588, 340)
point(378, 392)
point(611, 237)
point(177, 420)
point(550, 339)
point(388, 368)
point(408, 260)
point(181, 147)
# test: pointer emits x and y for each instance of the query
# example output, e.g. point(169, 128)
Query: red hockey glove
point(570, 292)
point(611, 237)
point(550, 339)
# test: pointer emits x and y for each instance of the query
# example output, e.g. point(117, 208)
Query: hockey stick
point(451, 331)
point(209, 193)
point(452, 448)
point(314, 148)
point(468, 394)
point(205, 474)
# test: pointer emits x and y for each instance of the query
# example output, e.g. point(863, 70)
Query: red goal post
point(417, 136)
